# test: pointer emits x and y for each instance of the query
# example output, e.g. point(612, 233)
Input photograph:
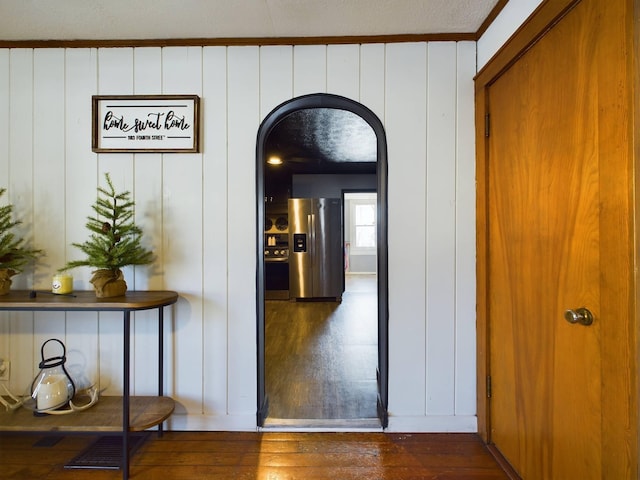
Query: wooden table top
point(85, 300)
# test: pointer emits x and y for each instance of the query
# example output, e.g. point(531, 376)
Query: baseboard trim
point(247, 423)
point(212, 423)
point(434, 424)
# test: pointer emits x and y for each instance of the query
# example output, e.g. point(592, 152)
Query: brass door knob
point(580, 315)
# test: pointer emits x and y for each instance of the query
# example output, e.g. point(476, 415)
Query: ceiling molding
point(247, 41)
point(260, 41)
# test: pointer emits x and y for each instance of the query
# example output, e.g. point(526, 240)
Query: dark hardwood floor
point(265, 456)
point(321, 358)
point(322, 362)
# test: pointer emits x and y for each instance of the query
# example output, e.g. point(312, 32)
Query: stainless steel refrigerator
point(316, 258)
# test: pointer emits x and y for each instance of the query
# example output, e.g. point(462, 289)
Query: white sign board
point(145, 123)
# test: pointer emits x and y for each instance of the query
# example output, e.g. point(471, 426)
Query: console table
point(109, 414)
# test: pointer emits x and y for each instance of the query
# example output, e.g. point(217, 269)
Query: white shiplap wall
point(198, 214)
point(504, 25)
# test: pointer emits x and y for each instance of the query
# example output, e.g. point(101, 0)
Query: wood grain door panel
point(544, 257)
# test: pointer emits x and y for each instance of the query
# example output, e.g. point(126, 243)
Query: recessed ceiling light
point(273, 160)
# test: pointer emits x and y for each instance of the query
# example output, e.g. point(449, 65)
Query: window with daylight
point(363, 213)
point(365, 216)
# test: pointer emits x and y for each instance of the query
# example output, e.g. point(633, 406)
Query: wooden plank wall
point(198, 214)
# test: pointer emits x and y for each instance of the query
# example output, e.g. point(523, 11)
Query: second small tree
point(114, 243)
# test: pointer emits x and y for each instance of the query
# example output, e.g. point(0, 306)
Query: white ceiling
point(167, 19)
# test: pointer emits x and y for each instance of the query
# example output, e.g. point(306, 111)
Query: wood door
point(550, 248)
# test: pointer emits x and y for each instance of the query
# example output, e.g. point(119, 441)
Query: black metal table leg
point(160, 360)
point(125, 394)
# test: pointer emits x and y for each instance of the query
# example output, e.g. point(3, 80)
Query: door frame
point(325, 100)
point(620, 384)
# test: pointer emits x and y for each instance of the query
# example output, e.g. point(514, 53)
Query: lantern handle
point(52, 361)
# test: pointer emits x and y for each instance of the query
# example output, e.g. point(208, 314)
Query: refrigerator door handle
point(311, 220)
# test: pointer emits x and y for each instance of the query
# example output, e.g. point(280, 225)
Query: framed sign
point(145, 123)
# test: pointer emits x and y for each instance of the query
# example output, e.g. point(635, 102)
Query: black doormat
point(48, 441)
point(106, 452)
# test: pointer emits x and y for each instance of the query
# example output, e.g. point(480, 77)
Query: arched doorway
point(340, 122)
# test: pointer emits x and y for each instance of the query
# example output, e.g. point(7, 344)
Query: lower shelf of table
point(104, 416)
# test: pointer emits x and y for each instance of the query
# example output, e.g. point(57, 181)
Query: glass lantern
point(52, 388)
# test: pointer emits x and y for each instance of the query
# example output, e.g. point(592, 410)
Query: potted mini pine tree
point(14, 255)
point(114, 243)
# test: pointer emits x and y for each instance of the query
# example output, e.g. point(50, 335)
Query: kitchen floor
point(321, 359)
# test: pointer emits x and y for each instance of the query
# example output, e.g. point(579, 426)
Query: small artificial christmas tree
point(114, 242)
point(13, 254)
